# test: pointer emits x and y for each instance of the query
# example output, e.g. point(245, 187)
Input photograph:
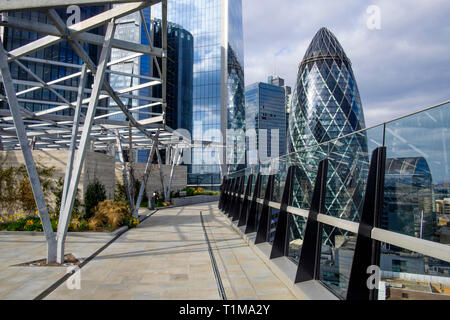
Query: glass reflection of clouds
point(203, 19)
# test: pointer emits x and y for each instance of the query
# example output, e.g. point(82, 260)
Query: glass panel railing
point(417, 177)
point(336, 259)
point(348, 167)
point(307, 163)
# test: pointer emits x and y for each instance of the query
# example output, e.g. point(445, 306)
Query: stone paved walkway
point(166, 257)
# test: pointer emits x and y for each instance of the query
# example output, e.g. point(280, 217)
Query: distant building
point(265, 109)
point(180, 64)
point(408, 198)
point(279, 82)
point(50, 63)
point(218, 85)
point(180, 51)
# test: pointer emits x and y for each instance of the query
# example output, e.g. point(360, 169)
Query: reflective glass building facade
point(326, 105)
point(265, 109)
point(218, 85)
point(179, 71)
point(50, 63)
point(409, 198)
point(180, 63)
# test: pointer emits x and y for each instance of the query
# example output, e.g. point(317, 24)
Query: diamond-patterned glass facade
point(326, 105)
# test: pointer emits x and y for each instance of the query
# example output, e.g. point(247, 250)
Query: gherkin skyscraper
point(326, 105)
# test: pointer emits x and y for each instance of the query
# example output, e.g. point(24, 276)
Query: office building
point(218, 85)
point(180, 63)
point(326, 105)
point(266, 110)
point(50, 63)
point(179, 72)
point(277, 81)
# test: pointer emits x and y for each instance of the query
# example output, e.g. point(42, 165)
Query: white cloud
point(399, 69)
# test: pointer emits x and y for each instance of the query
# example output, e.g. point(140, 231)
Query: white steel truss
point(47, 129)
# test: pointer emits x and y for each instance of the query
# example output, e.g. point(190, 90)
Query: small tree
point(95, 193)
point(120, 194)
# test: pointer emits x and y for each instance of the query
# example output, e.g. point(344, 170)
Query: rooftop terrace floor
point(166, 257)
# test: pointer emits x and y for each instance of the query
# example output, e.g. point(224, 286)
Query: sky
point(402, 67)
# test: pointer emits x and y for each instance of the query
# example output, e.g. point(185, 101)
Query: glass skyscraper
point(180, 63)
point(265, 109)
point(179, 71)
point(326, 105)
point(218, 90)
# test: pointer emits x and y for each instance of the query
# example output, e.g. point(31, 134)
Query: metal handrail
point(422, 246)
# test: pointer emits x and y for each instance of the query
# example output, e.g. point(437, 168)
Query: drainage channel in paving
point(186, 252)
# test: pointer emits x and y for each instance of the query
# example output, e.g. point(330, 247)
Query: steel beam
point(175, 161)
point(280, 246)
point(87, 60)
point(98, 83)
point(146, 174)
point(73, 140)
point(243, 213)
point(28, 156)
point(367, 250)
point(252, 218)
point(239, 202)
point(161, 176)
point(11, 5)
point(164, 56)
point(264, 221)
point(309, 263)
point(124, 171)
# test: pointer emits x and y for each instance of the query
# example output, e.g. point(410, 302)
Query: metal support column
point(73, 139)
point(367, 250)
point(161, 176)
point(222, 192)
point(27, 155)
point(226, 195)
point(176, 159)
point(252, 218)
point(280, 246)
point(124, 171)
point(309, 263)
point(164, 56)
point(230, 196)
point(239, 200)
point(90, 114)
point(264, 221)
point(146, 174)
point(244, 207)
point(235, 199)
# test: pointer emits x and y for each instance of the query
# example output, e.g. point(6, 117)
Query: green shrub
point(95, 193)
point(189, 191)
point(120, 193)
point(15, 189)
point(110, 215)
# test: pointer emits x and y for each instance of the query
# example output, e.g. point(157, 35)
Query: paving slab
point(165, 257)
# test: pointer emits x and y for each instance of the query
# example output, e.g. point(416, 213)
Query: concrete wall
point(97, 166)
point(185, 201)
point(179, 180)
